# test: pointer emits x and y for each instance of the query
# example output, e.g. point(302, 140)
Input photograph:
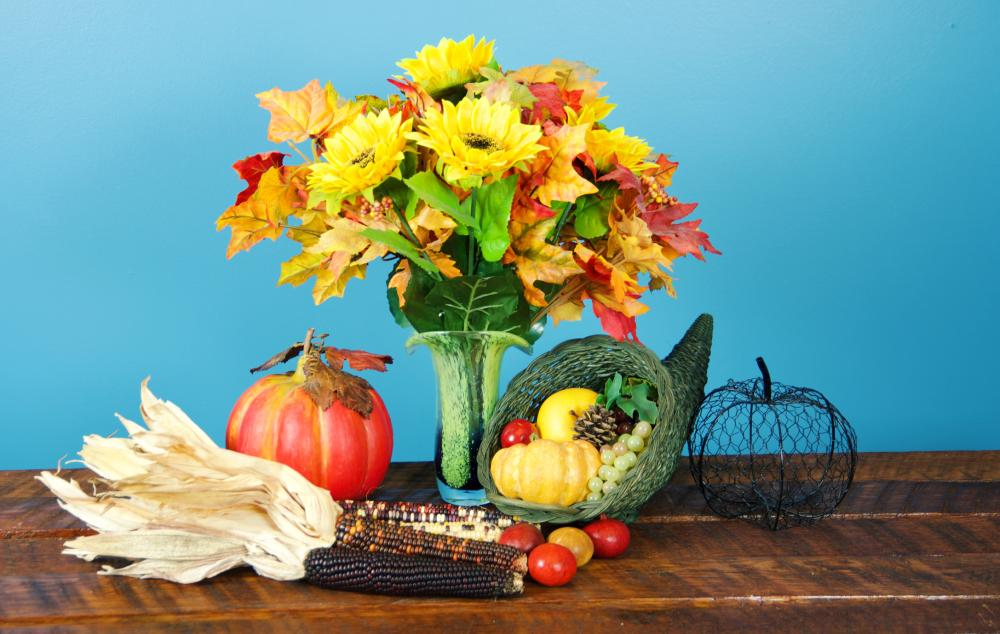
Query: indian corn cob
point(388, 573)
point(181, 508)
point(381, 536)
point(424, 512)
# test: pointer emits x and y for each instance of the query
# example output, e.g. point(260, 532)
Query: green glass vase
point(467, 365)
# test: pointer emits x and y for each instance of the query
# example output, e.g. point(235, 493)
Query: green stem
point(406, 225)
point(472, 238)
point(554, 237)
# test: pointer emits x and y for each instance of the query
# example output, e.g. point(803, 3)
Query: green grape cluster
point(618, 459)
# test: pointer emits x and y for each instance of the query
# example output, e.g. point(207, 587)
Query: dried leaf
point(358, 359)
point(285, 355)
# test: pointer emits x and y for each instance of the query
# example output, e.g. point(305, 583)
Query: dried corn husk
point(184, 509)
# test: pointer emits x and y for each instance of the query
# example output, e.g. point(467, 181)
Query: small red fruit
point(552, 565)
point(610, 537)
point(523, 536)
point(517, 432)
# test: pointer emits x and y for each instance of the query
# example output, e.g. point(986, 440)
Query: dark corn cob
point(425, 512)
point(382, 536)
point(387, 573)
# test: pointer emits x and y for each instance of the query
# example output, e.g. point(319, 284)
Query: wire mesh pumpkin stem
point(766, 375)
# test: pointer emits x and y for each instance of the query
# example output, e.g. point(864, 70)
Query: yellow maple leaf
point(571, 310)
point(536, 260)
point(301, 267)
point(251, 221)
point(298, 114)
point(333, 277)
point(554, 167)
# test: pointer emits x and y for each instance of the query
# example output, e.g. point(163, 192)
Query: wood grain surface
point(914, 547)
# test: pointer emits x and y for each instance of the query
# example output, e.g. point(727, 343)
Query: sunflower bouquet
point(499, 196)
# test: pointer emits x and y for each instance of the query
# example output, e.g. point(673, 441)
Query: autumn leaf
point(252, 168)
point(251, 222)
point(625, 178)
point(298, 114)
point(571, 310)
point(357, 359)
point(333, 277)
point(686, 238)
point(497, 87)
point(300, 268)
point(602, 272)
point(400, 280)
point(282, 190)
point(664, 171)
point(619, 326)
point(569, 76)
point(633, 241)
point(536, 260)
point(549, 102)
point(554, 169)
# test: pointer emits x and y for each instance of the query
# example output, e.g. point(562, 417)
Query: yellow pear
point(559, 412)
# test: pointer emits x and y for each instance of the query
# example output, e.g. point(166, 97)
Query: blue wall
point(844, 154)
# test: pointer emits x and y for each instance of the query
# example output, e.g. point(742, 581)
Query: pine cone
point(597, 426)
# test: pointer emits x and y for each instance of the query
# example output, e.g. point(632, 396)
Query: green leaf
point(418, 312)
point(493, 203)
point(638, 400)
point(591, 217)
point(476, 303)
point(402, 246)
point(435, 193)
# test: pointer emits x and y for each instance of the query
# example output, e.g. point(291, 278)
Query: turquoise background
point(844, 155)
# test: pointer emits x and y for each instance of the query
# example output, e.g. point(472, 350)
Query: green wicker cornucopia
point(680, 382)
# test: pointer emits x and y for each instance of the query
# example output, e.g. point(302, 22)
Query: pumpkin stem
point(307, 342)
point(766, 376)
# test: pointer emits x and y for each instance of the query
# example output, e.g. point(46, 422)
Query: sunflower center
point(365, 158)
point(478, 141)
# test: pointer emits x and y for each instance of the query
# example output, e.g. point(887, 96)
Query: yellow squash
point(546, 471)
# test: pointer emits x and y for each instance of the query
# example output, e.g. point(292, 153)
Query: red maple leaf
point(625, 178)
point(687, 239)
point(357, 359)
point(615, 323)
point(660, 218)
point(252, 168)
point(551, 100)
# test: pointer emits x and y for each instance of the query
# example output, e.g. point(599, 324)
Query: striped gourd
point(387, 573)
point(381, 536)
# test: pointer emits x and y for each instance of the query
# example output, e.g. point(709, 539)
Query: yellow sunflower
point(449, 64)
point(477, 138)
point(630, 151)
point(360, 155)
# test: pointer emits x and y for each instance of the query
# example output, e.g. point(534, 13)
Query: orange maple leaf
point(554, 169)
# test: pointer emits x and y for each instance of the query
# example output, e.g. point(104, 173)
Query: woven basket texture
point(680, 382)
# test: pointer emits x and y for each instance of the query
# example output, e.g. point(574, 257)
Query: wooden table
point(914, 546)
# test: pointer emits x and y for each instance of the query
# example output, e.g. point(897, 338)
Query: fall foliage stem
point(298, 151)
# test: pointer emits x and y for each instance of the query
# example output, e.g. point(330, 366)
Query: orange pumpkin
point(339, 436)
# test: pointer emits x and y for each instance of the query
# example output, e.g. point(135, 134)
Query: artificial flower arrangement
point(499, 195)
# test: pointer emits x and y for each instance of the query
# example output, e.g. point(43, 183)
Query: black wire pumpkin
point(777, 454)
